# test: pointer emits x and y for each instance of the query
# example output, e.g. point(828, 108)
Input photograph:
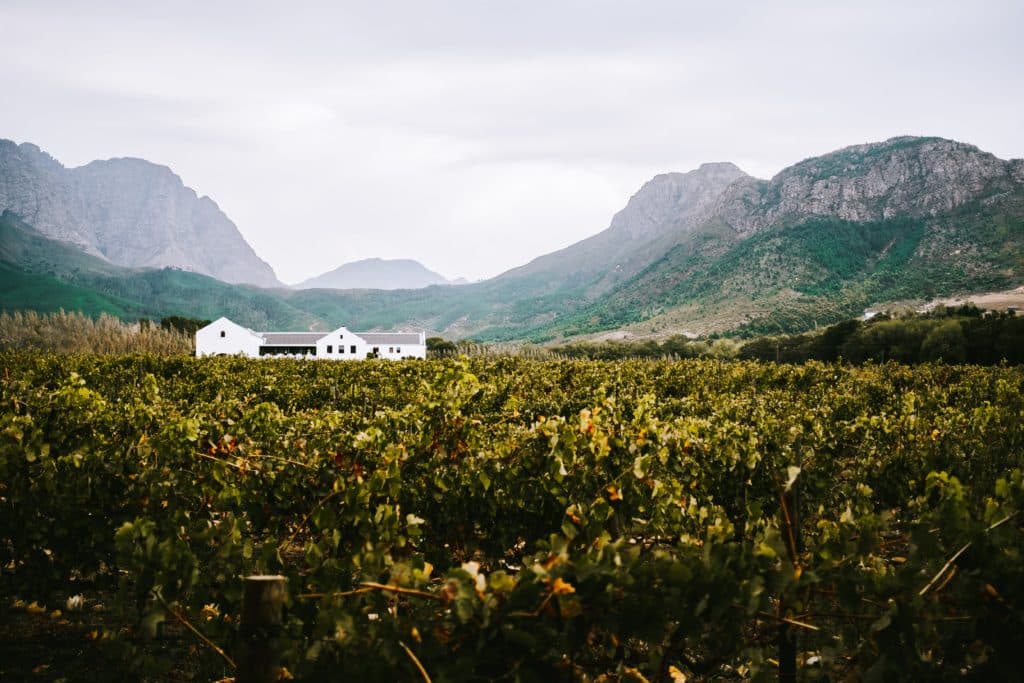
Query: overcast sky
point(474, 136)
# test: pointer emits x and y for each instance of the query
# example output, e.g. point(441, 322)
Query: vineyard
point(518, 520)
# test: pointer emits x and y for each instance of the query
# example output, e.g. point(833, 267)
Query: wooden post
point(787, 637)
point(262, 606)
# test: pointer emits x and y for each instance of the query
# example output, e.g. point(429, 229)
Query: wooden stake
point(262, 607)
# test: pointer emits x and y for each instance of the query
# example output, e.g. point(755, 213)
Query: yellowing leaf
point(792, 472)
point(635, 675)
point(560, 587)
point(847, 516)
point(676, 675)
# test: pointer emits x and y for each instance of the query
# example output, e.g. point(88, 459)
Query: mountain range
point(710, 250)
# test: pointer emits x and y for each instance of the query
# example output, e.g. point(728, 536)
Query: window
point(341, 336)
point(376, 350)
point(341, 349)
point(352, 349)
point(330, 348)
point(391, 349)
point(223, 333)
point(398, 349)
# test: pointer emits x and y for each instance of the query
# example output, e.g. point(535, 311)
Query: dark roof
point(390, 337)
point(311, 338)
point(291, 338)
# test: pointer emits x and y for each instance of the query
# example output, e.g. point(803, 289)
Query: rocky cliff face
point(129, 211)
point(674, 202)
point(899, 177)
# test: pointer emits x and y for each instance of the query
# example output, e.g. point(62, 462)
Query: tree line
point(963, 334)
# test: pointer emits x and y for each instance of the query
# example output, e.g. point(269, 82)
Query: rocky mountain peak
point(674, 201)
point(29, 152)
point(910, 176)
point(128, 211)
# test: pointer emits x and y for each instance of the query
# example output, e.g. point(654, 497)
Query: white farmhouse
point(223, 337)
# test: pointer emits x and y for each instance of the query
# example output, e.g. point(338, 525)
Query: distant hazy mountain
point(375, 273)
point(129, 212)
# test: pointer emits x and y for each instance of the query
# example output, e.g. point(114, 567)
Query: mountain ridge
point(872, 181)
point(128, 211)
point(648, 214)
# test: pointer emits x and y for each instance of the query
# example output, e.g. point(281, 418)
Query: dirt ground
point(93, 643)
point(998, 301)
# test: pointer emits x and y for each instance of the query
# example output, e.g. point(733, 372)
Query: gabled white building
point(223, 337)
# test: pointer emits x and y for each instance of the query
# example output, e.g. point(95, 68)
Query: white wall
point(343, 336)
point(399, 351)
point(223, 337)
point(341, 342)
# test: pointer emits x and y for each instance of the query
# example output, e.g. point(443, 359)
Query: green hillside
point(794, 277)
point(22, 291)
point(41, 274)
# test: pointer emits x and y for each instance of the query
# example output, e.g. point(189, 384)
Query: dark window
point(330, 349)
point(341, 336)
point(341, 349)
point(223, 333)
point(376, 349)
point(398, 349)
point(352, 349)
point(391, 349)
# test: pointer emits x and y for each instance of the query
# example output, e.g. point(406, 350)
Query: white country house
point(223, 337)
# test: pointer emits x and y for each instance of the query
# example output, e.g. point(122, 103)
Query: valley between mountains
point(710, 250)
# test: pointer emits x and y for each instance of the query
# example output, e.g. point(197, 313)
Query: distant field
point(998, 301)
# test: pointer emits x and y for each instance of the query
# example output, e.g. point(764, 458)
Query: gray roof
point(390, 337)
point(291, 338)
point(311, 338)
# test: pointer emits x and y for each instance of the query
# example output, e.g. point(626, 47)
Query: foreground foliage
point(525, 520)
